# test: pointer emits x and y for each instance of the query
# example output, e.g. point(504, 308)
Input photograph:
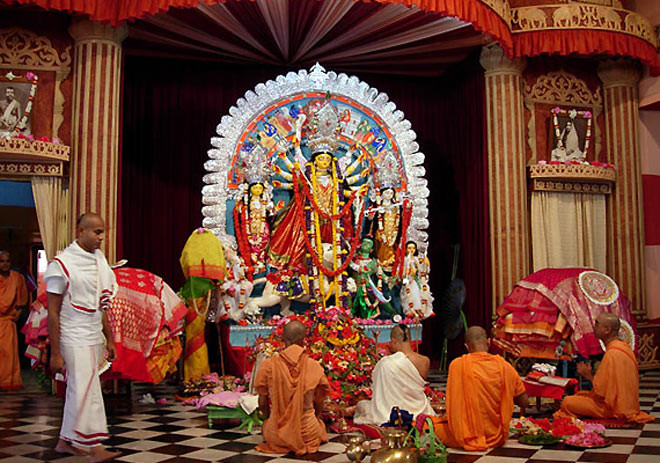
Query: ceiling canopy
point(342, 34)
point(421, 37)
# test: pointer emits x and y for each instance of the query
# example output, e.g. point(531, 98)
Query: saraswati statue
point(306, 166)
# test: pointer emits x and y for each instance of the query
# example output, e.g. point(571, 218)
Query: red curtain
point(117, 11)
point(482, 18)
point(171, 108)
point(586, 42)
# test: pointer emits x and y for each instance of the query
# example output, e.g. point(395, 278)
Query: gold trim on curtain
point(568, 230)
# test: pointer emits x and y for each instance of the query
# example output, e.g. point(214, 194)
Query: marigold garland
point(243, 246)
point(397, 267)
point(310, 248)
point(312, 200)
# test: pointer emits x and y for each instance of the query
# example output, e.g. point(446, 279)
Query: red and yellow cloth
point(144, 309)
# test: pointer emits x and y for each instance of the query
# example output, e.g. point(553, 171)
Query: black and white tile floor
point(176, 433)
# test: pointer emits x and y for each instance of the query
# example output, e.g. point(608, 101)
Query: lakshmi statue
point(416, 297)
point(253, 207)
point(320, 211)
point(389, 216)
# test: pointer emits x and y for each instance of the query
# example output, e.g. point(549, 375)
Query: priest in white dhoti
point(80, 285)
point(398, 380)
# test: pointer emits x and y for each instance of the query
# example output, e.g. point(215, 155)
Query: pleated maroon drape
point(171, 108)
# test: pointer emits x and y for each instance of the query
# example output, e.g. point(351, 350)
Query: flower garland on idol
point(406, 215)
point(310, 215)
point(243, 245)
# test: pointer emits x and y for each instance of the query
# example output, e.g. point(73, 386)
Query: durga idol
point(320, 210)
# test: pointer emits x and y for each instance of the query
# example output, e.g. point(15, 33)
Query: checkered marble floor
point(176, 433)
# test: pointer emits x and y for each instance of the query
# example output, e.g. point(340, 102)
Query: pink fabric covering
point(227, 399)
point(543, 294)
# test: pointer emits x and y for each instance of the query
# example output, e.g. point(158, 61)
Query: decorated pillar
point(625, 217)
point(507, 184)
point(95, 127)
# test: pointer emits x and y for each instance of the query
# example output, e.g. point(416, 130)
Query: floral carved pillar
point(507, 194)
point(625, 217)
point(95, 128)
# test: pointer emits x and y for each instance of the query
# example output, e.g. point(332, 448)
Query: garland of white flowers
point(31, 77)
point(572, 114)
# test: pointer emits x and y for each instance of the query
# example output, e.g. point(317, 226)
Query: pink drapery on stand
point(542, 297)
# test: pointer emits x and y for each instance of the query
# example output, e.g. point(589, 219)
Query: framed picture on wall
point(16, 97)
point(571, 134)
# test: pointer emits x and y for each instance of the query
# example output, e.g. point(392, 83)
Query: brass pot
point(393, 450)
point(355, 449)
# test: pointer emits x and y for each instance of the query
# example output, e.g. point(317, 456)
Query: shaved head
point(89, 220)
point(610, 321)
point(400, 333)
point(294, 333)
point(476, 339)
point(90, 231)
point(607, 327)
point(5, 262)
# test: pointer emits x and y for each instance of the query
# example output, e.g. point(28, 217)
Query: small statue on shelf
point(416, 297)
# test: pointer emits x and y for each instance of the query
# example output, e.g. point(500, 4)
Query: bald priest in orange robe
point(615, 392)
point(481, 391)
point(292, 388)
point(13, 296)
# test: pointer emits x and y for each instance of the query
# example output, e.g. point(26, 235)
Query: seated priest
point(481, 391)
point(292, 388)
point(398, 380)
point(615, 392)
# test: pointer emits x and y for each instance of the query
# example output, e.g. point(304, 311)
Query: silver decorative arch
point(265, 95)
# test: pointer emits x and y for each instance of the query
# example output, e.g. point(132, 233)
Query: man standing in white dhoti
point(80, 285)
point(398, 380)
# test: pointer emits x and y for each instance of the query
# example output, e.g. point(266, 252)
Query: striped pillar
point(625, 217)
point(95, 128)
point(507, 184)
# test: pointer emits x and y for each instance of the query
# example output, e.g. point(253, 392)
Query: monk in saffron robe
point(292, 388)
point(481, 391)
point(615, 392)
point(13, 296)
